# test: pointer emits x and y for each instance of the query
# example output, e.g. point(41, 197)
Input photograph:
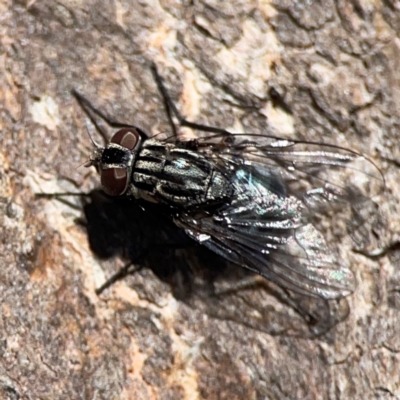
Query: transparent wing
point(327, 179)
point(338, 173)
point(270, 225)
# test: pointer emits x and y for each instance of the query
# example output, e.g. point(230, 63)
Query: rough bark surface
point(320, 70)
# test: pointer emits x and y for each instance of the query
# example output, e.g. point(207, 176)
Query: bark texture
point(319, 70)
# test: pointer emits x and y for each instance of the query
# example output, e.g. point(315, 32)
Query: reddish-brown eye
point(126, 137)
point(114, 180)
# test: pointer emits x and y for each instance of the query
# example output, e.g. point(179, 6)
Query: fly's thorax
point(171, 173)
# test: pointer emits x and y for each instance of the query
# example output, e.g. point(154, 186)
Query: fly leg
point(252, 281)
point(97, 117)
point(128, 269)
point(318, 324)
point(172, 110)
point(60, 197)
point(137, 263)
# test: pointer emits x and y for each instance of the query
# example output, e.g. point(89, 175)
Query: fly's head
point(114, 162)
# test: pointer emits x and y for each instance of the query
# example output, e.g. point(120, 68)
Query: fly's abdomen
point(178, 177)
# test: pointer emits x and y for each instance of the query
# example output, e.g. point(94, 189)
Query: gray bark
point(322, 71)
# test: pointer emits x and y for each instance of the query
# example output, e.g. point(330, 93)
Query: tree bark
point(320, 71)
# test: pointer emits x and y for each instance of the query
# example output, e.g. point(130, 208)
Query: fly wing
point(342, 174)
point(327, 179)
point(267, 231)
point(286, 193)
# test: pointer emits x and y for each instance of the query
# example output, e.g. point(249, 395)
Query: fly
point(258, 201)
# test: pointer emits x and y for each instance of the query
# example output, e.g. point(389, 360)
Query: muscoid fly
point(262, 202)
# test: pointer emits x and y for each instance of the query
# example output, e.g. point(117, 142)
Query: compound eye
point(114, 180)
point(126, 137)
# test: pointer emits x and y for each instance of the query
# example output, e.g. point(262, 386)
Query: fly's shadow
point(145, 235)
